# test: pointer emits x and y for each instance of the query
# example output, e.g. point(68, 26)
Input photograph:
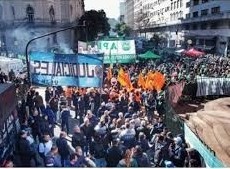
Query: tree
point(96, 22)
point(122, 29)
point(156, 40)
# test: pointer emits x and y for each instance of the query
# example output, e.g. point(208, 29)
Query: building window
point(181, 3)
point(188, 4)
point(216, 10)
point(214, 25)
point(175, 5)
point(195, 14)
point(172, 6)
point(177, 15)
point(203, 26)
point(181, 14)
point(178, 3)
point(187, 27)
point(204, 12)
point(204, 1)
point(188, 16)
point(194, 27)
point(195, 2)
point(30, 13)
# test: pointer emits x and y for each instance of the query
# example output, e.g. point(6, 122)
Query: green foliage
point(157, 40)
point(96, 22)
point(122, 29)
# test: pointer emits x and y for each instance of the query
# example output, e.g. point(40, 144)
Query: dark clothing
point(143, 144)
point(63, 149)
point(114, 155)
point(51, 116)
point(93, 120)
point(157, 128)
point(25, 151)
point(54, 104)
point(178, 156)
point(78, 139)
point(65, 115)
point(87, 130)
point(48, 95)
point(97, 149)
point(44, 127)
point(142, 160)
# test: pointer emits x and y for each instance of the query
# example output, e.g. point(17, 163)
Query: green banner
point(119, 59)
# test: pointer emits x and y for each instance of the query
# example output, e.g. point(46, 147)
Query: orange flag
point(141, 81)
point(149, 83)
point(124, 79)
point(109, 74)
point(159, 81)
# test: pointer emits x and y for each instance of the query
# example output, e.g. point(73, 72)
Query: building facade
point(206, 23)
point(122, 11)
point(129, 13)
point(22, 20)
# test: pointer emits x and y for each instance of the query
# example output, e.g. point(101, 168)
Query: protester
point(127, 160)
point(63, 149)
point(123, 123)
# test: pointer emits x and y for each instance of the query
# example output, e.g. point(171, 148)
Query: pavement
point(57, 130)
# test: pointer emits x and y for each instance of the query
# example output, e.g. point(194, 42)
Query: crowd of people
point(115, 127)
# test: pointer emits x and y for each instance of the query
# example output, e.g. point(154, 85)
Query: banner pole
point(102, 80)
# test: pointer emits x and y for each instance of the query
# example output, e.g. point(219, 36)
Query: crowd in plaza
point(115, 126)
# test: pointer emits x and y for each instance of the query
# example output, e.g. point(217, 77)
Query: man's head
point(78, 151)
point(23, 134)
point(54, 149)
point(120, 115)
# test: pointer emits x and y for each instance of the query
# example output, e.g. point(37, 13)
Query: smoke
point(21, 36)
point(65, 49)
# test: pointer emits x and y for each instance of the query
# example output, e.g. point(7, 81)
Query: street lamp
point(40, 37)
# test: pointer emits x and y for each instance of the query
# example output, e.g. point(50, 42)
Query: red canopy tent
point(193, 53)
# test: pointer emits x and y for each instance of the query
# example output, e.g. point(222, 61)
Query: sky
point(111, 7)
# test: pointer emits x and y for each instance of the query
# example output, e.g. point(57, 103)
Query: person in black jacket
point(63, 149)
point(78, 138)
point(44, 125)
point(98, 151)
point(24, 149)
point(114, 154)
point(65, 115)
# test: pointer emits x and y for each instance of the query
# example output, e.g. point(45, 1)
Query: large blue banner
point(51, 69)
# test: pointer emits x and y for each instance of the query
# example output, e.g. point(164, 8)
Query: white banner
point(212, 86)
point(119, 47)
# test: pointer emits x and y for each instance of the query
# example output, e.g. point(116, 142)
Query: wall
point(210, 159)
